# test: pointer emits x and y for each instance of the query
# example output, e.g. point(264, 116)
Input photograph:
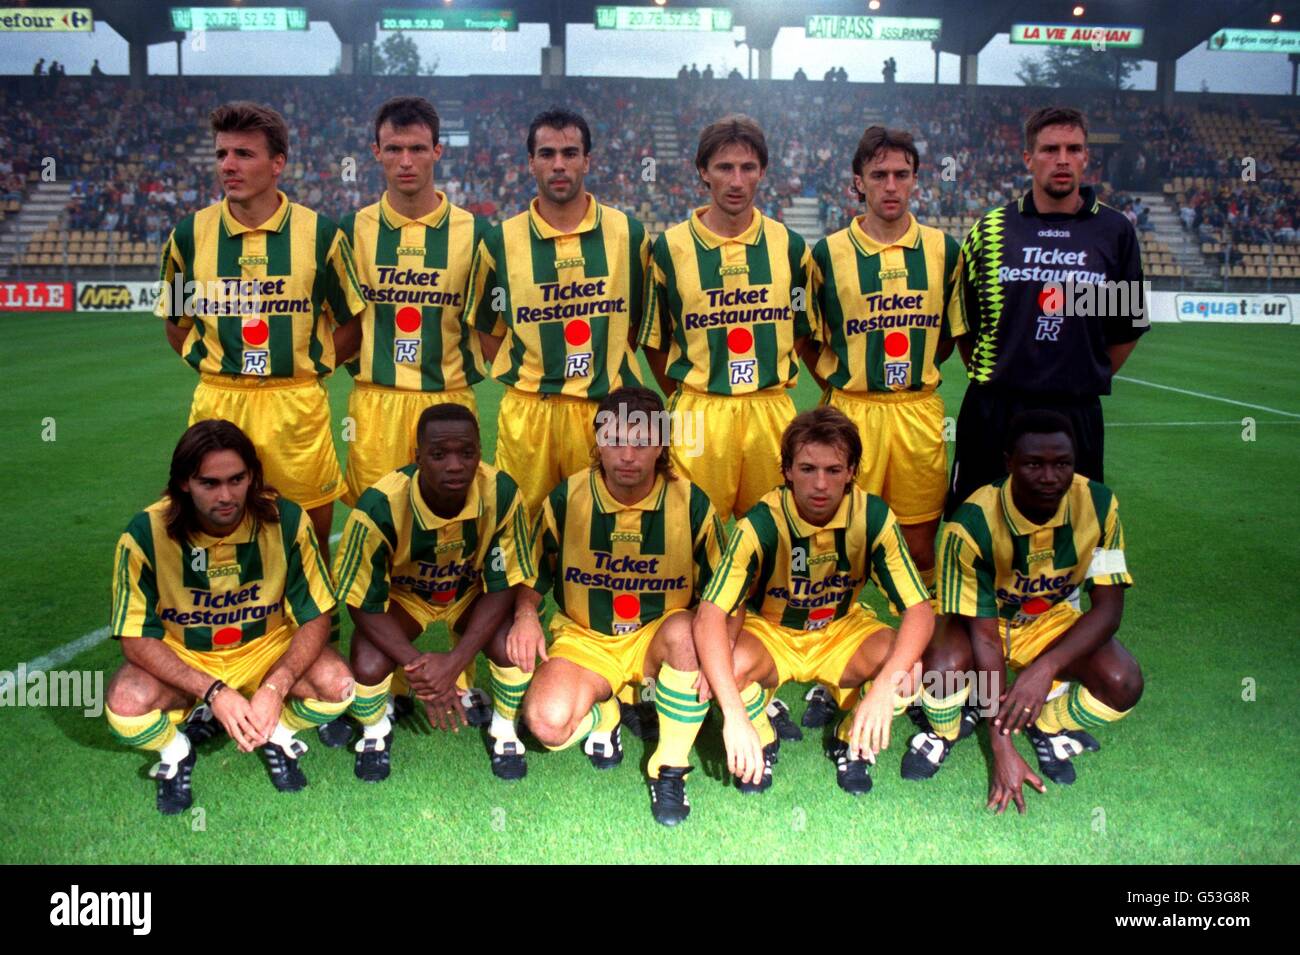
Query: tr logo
point(255, 361)
point(405, 350)
point(742, 371)
point(578, 365)
point(1049, 327)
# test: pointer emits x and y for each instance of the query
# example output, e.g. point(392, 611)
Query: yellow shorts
point(619, 659)
point(427, 614)
point(1022, 645)
point(384, 420)
point(543, 440)
point(904, 458)
point(816, 656)
point(731, 445)
point(243, 668)
point(288, 421)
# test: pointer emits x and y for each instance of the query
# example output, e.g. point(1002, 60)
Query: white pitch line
point(1184, 424)
point(1201, 394)
point(73, 648)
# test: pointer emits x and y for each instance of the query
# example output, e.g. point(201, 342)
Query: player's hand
point(431, 674)
point(525, 642)
point(1010, 772)
point(1020, 705)
point(871, 721)
point(237, 718)
point(703, 689)
point(445, 712)
point(266, 706)
point(744, 751)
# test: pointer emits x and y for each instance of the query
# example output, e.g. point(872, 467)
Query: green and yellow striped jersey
point(616, 567)
point(394, 541)
point(213, 593)
point(729, 310)
point(567, 304)
point(414, 276)
point(883, 309)
point(266, 300)
point(995, 562)
point(801, 576)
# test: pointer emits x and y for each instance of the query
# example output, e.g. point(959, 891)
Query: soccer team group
point(613, 502)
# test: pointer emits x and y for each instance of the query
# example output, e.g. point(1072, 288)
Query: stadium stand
point(130, 161)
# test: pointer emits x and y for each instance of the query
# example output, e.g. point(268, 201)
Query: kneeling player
point(1012, 561)
point(627, 545)
point(445, 538)
point(798, 561)
point(226, 580)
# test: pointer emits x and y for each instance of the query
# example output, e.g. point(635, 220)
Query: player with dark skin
point(448, 457)
point(1041, 468)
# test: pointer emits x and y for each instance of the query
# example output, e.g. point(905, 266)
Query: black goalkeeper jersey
point(1024, 278)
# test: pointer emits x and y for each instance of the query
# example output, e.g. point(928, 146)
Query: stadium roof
point(1172, 27)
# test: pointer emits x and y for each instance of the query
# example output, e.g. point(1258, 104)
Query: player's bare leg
point(374, 708)
point(920, 544)
point(950, 709)
point(567, 703)
point(756, 675)
point(672, 661)
point(854, 774)
point(320, 695)
point(136, 697)
point(1103, 687)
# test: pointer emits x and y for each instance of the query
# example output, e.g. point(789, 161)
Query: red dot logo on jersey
point(408, 319)
point(577, 333)
point(1035, 605)
point(444, 596)
point(739, 339)
point(821, 613)
point(895, 344)
point(226, 636)
point(256, 331)
point(627, 606)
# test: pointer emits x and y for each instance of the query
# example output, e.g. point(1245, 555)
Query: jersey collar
point(1022, 526)
point(1090, 207)
point(245, 533)
point(711, 240)
point(395, 220)
point(910, 239)
point(608, 504)
point(274, 224)
point(543, 229)
point(839, 520)
point(429, 521)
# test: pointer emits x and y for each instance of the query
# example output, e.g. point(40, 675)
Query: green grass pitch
point(1197, 774)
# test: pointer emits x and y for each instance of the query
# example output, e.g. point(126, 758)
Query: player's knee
point(337, 686)
point(679, 642)
point(1122, 685)
point(548, 719)
point(130, 694)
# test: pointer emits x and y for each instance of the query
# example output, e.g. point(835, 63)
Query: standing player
point(220, 595)
point(727, 312)
point(445, 538)
point(1024, 267)
point(556, 293)
point(273, 304)
point(883, 287)
point(625, 546)
point(413, 250)
point(1013, 555)
point(798, 561)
